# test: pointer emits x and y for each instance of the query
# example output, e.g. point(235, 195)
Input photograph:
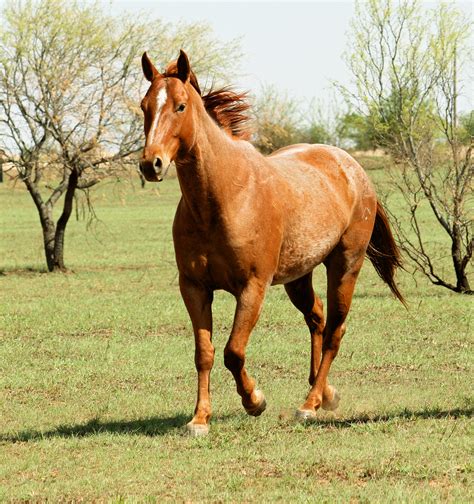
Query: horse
point(246, 221)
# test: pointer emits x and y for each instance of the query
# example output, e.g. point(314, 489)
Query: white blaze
point(160, 101)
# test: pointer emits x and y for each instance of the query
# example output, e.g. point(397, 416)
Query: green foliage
point(98, 378)
point(316, 133)
point(402, 59)
point(70, 87)
point(358, 130)
point(277, 121)
point(405, 59)
point(82, 67)
point(466, 128)
point(282, 120)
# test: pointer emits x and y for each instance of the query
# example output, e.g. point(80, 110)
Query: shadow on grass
point(23, 271)
point(406, 414)
point(40, 270)
point(159, 426)
point(153, 426)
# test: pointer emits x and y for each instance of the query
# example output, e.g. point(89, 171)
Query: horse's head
point(167, 107)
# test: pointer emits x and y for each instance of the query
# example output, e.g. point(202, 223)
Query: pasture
point(98, 379)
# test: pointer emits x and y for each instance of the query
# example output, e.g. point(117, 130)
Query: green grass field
point(98, 380)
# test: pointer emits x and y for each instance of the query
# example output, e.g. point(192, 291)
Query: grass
point(97, 378)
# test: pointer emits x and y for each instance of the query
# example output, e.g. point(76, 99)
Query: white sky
point(297, 46)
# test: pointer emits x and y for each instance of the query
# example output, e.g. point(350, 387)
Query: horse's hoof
point(197, 430)
point(305, 415)
point(332, 404)
point(261, 405)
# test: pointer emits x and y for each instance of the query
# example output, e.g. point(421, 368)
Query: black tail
point(383, 252)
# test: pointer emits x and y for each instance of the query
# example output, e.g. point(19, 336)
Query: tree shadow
point(23, 271)
point(152, 426)
point(405, 414)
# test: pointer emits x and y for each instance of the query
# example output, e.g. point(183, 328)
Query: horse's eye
point(181, 107)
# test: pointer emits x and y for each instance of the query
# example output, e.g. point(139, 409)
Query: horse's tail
point(383, 252)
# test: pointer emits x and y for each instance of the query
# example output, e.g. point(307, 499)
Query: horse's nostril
point(158, 163)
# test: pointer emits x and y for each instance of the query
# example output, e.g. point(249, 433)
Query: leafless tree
point(70, 87)
point(405, 60)
point(276, 120)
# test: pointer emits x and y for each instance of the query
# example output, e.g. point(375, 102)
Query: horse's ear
point(184, 68)
point(149, 70)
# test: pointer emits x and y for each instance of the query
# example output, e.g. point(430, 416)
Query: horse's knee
point(204, 359)
point(233, 359)
point(333, 333)
point(315, 319)
point(318, 305)
point(332, 341)
point(343, 329)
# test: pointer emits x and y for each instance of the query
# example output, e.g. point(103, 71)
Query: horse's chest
point(231, 251)
point(207, 260)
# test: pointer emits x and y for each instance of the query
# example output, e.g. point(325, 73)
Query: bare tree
point(405, 62)
point(322, 121)
point(70, 85)
point(281, 120)
point(276, 120)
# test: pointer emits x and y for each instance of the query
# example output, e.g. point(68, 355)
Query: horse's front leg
point(198, 301)
point(249, 306)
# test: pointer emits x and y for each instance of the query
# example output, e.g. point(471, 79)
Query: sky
point(296, 46)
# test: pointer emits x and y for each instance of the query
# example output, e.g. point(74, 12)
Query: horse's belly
point(300, 255)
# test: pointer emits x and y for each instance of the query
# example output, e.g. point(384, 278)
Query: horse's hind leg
point(302, 296)
point(343, 267)
point(249, 306)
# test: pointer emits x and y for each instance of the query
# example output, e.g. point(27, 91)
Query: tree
point(276, 120)
point(322, 122)
point(466, 127)
point(70, 87)
point(282, 120)
point(405, 62)
point(356, 128)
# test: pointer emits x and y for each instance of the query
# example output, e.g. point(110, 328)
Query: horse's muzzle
point(153, 170)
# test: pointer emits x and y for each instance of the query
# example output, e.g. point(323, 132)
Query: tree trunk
point(62, 222)
point(48, 227)
point(46, 218)
point(48, 239)
point(53, 235)
point(462, 283)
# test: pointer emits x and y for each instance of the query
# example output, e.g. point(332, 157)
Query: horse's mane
point(225, 106)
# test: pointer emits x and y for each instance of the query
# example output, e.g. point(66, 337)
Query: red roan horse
point(246, 221)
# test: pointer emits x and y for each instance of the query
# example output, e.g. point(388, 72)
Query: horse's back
point(331, 162)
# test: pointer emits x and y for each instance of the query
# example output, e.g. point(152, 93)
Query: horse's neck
point(208, 173)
